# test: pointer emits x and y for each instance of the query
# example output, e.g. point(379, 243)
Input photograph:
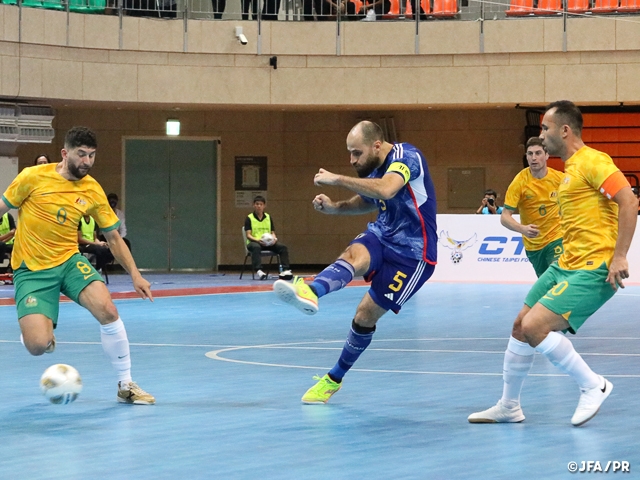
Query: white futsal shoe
point(590, 401)
point(498, 414)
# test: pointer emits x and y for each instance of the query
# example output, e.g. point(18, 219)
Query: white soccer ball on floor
point(61, 384)
point(268, 239)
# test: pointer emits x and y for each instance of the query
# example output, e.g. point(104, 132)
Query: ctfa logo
point(31, 301)
point(456, 245)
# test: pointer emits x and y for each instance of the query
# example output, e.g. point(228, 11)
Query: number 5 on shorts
point(398, 279)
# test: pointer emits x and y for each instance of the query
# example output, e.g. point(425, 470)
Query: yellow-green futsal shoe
point(321, 392)
point(298, 294)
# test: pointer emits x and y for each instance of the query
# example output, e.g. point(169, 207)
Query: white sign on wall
point(477, 248)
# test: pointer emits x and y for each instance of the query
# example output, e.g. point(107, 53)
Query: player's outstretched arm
point(627, 218)
point(354, 206)
point(381, 188)
point(122, 254)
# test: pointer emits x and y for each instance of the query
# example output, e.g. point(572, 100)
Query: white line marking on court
point(216, 355)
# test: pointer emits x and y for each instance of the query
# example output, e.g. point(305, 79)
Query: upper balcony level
point(479, 57)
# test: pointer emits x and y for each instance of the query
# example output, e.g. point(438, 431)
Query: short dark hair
point(491, 192)
point(568, 114)
point(535, 142)
point(112, 196)
point(79, 137)
point(371, 132)
point(35, 160)
point(259, 198)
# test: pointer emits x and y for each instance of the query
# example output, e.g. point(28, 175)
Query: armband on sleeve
point(400, 168)
point(613, 184)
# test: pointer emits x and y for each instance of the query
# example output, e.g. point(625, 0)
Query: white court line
point(420, 350)
point(215, 355)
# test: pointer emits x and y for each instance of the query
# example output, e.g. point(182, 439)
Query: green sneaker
point(298, 294)
point(321, 392)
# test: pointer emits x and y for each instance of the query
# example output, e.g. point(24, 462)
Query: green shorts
point(39, 291)
point(574, 294)
point(541, 259)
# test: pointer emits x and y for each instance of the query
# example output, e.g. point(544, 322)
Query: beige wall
point(297, 144)
point(156, 63)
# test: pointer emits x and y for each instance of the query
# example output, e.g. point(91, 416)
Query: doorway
point(171, 193)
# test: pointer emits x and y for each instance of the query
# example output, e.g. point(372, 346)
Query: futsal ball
point(268, 239)
point(456, 257)
point(61, 384)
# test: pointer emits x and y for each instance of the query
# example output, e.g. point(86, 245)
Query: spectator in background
point(42, 159)
point(88, 242)
point(489, 205)
point(320, 6)
point(423, 15)
point(257, 224)
point(7, 232)
point(249, 5)
point(270, 9)
point(346, 8)
point(122, 229)
point(380, 7)
point(218, 8)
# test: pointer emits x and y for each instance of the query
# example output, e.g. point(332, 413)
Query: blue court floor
point(228, 372)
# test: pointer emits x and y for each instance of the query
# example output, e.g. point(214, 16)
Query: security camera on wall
point(240, 36)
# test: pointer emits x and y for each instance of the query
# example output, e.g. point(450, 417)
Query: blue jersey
point(406, 223)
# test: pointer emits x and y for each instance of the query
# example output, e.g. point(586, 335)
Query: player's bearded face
point(79, 161)
point(365, 166)
point(551, 135)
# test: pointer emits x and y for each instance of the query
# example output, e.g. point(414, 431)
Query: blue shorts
point(394, 279)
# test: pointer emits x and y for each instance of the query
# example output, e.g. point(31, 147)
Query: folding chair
point(5, 262)
point(263, 253)
point(605, 6)
point(519, 8)
point(549, 7)
point(577, 6)
point(628, 6)
point(445, 8)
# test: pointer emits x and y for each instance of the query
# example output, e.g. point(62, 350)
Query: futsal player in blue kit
point(397, 253)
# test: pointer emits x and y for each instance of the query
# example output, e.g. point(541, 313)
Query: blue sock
point(335, 277)
point(357, 342)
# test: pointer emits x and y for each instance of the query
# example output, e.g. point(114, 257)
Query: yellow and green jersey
point(588, 215)
point(537, 201)
point(50, 208)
